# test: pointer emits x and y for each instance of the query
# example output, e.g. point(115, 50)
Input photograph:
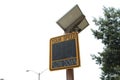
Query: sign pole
point(73, 21)
point(69, 74)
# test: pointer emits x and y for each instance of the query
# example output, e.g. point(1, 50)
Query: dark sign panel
point(64, 52)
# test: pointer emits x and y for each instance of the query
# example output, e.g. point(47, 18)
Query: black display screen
point(64, 50)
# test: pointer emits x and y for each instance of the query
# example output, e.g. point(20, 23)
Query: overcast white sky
point(26, 27)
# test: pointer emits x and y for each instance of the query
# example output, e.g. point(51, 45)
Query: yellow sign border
point(66, 37)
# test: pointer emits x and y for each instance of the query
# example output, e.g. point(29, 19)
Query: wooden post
point(69, 74)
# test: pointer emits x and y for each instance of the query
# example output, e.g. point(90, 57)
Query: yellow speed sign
point(64, 52)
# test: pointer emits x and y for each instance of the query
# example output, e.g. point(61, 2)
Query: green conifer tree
point(109, 32)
